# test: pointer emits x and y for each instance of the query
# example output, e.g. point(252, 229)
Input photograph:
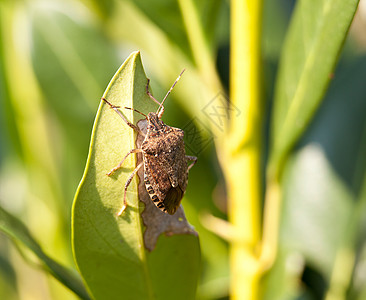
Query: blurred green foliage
point(57, 57)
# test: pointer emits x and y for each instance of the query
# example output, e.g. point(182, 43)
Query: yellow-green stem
point(243, 148)
point(200, 49)
point(271, 220)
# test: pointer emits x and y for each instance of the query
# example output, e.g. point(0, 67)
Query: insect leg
point(191, 158)
point(149, 94)
point(136, 111)
point(120, 164)
point(124, 206)
point(115, 108)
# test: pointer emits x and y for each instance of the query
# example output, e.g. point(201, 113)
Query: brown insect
point(164, 158)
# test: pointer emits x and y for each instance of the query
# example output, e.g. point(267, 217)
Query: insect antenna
point(137, 111)
point(160, 110)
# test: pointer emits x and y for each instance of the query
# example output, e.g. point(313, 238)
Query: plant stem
point(200, 48)
point(244, 147)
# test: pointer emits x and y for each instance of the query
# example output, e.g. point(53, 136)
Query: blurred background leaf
point(306, 68)
point(17, 231)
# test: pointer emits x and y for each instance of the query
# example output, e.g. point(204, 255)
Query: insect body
point(165, 164)
point(164, 159)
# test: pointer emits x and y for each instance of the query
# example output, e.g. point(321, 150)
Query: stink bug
point(164, 158)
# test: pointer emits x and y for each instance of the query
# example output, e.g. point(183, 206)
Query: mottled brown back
point(165, 164)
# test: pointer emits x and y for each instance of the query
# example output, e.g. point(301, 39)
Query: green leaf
point(324, 191)
point(110, 250)
point(314, 41)
point(15, 229)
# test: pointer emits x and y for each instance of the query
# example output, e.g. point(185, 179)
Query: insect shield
point(164, 158)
